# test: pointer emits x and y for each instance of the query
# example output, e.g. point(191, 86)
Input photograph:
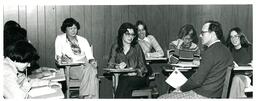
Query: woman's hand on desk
point(122, 65)
point(65, 59)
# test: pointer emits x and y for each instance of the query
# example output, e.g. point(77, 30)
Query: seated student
point(13, 32)
point(241, 50)
point(148, 42)
point(126, 53)
point(187, 42)
point(70, 47)
point(208, 80)
point(17, 58)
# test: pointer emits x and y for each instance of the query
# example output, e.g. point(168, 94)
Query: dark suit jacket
point(209, 78)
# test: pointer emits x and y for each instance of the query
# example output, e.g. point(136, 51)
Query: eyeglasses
point(235, 36)
point(202, 32)
point(187, 39)
point(141, 30)
point(129, 34)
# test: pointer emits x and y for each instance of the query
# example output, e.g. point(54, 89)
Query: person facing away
point(208, 80)
point(13, 32)
point(18, 57)
point(126, 53)
point(241, 50)
point(70, 47)
point(148, 43)
point(187, 40)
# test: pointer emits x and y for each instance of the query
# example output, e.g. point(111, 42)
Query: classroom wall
point(99, 24)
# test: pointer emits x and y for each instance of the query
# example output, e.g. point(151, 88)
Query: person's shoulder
point(194, 46)
point(150, 37)
point(7, 68)
point(83, 39)
point(175, 42)
point(249, 46)
point(63, 35)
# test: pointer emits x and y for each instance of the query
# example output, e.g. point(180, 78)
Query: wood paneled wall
point(99, 24)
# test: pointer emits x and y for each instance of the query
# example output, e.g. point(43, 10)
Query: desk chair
point(72, 84)
point(227, 84)
point(148, 91)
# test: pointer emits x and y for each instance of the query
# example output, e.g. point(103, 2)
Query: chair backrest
point(227, 83)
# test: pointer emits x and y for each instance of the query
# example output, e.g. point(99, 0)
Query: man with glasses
point(208, 80)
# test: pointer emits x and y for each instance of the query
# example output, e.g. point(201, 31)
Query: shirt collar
point(213, 42)
point(67, 40)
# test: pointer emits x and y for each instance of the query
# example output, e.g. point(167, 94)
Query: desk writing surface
point(59, 76)
point(70, 64)
point(160, 58)
point(119, 70)
point(169, 69)
point(243, 68)
point(54, 93)
point(185, 64)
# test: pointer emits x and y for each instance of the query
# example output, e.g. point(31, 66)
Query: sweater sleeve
point(197, 79)
point(112, 57)
point(159, 51)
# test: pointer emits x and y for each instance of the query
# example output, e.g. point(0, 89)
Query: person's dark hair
point(243, 38)
point(22, 51)
point(11, 24)
point(217, 28)
point(69, 22)
point(14, 35)
point(123, 29)
point(184, 31)
point(139, 22)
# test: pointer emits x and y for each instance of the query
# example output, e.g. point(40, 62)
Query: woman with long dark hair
point(241, 50)
point(126, 53)
point(148, 43)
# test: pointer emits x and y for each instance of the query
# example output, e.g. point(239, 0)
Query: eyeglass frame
point(235, 36)
point(129, 34)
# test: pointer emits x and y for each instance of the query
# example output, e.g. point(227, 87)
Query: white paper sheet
point(176, 79)
point(41, 91)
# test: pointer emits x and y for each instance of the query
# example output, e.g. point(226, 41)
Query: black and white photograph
point(127, 51)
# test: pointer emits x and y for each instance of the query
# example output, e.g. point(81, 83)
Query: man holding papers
point(208, 80)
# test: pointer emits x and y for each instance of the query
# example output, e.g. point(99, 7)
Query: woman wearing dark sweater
point(126, 53)
point(241, 50)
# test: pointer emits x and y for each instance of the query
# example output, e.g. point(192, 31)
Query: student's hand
point(66, 59)
point(93, 62)
point(122, 65)
point(177, 90)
